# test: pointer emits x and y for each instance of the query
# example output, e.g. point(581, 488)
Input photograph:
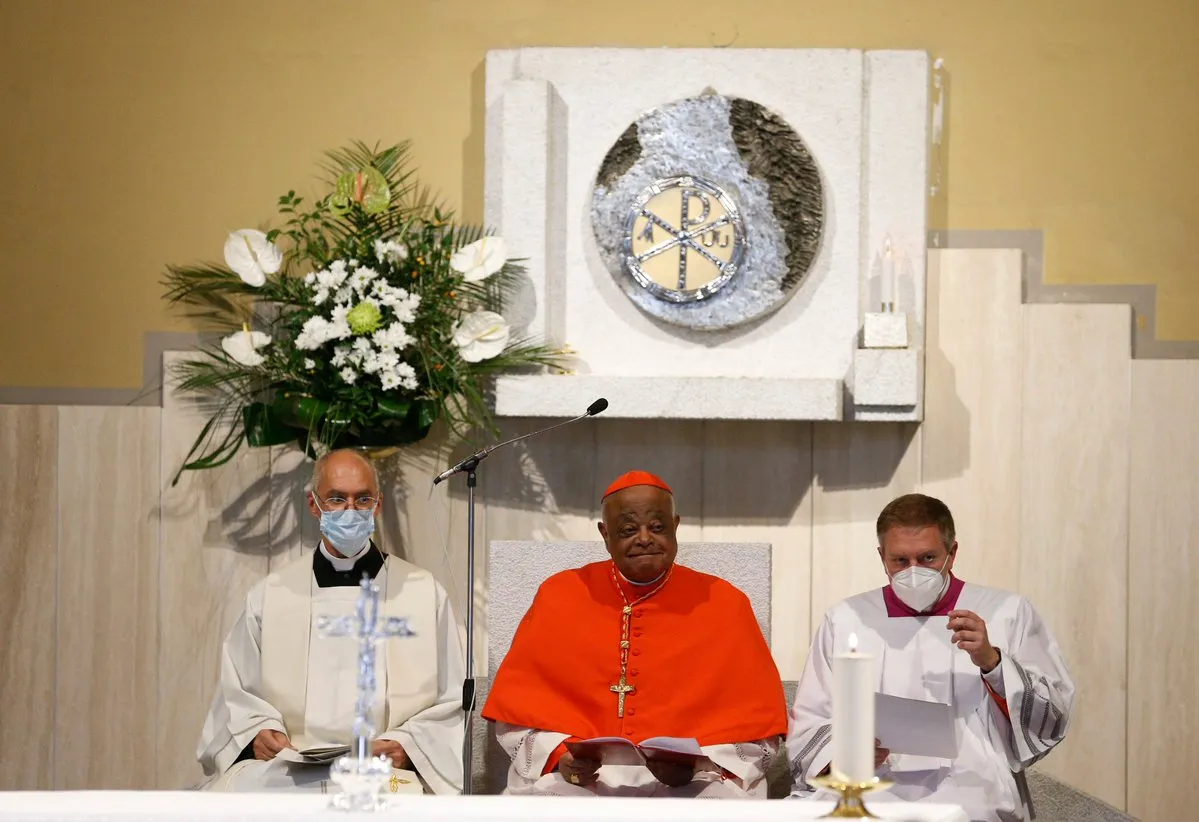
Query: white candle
point(853, 714)
point(890, 284)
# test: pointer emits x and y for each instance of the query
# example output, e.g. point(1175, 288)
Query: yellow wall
point(137, 132)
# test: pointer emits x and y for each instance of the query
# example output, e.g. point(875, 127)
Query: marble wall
point(1073, 472)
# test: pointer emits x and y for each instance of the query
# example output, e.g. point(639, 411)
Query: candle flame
point(853, 643)
point(887, 247)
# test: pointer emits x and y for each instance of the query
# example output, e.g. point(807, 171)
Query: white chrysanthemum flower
point(360, 279)
point(480, 259)
point(252, 256)
point(362, 345)
point(333, 276)
point(314, 334)
point(389, 251)
point(309, 364)
point(371, 363)
point(242, 347)
point(340, 355)
point(395, 298)
point(481, 335)
point(353, 263)
point(394, 337)
point(387, 360)
point(348, 374)
point(404, 307)
point(320, 295)
point(344, 295)
point(310, 278)
point(340, 331)
point(406, 374)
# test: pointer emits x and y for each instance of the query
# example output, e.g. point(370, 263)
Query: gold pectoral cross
point(621, 690)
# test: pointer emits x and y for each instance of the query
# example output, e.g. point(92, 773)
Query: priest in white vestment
point(284, 686)
point(985, 652)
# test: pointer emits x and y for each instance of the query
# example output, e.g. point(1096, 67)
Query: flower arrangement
point(362, 320)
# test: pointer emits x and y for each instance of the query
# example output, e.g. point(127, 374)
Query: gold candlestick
point(850, 805)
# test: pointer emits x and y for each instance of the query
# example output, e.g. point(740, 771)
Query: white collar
point(343, 564)
point(653, 581)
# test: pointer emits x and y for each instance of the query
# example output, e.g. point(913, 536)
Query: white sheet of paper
point(914, 726)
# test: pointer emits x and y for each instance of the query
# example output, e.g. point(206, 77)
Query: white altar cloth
point(184, 806)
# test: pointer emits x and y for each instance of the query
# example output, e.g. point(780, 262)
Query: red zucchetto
point(634, 478)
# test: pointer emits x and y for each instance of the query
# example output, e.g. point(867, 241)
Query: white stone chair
point(516, 569)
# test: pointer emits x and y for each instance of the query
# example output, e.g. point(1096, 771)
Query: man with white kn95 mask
point(982, 660)
point(287, 693)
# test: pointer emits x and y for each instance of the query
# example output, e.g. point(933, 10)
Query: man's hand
point(268, 743)
point(970, 634)
point(392, 750)
point(581, 772)
point(880, 754)
point(671, 774)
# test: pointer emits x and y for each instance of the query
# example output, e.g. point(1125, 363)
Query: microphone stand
point(469, 467)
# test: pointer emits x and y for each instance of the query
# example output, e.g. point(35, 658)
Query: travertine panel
point(1074, 522)
point(543, 488)
point(1163, 662)
point(215, 545)
point(757, 487)
point(858, 468)
point(28, 570)
point(293, 529)
point(972, 410)
point(426, 524)
point(106, 720)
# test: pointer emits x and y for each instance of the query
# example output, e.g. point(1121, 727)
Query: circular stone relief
point(708, 212)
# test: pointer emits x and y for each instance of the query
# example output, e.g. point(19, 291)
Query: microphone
point(472, 462)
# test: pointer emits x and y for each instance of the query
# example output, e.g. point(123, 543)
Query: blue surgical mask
point(348, 531)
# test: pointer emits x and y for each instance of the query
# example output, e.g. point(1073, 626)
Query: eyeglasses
point(341, 503)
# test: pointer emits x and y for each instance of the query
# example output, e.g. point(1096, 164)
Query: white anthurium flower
point(252, 256)
point(481, 335)
point(480, 259)
point(242, 347)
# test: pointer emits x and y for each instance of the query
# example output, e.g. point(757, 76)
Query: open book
point(314, 756)
point(614, 750)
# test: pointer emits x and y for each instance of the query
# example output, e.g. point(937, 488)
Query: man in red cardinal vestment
point(637, 647)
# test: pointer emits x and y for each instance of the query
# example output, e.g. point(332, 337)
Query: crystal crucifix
point(361, 776)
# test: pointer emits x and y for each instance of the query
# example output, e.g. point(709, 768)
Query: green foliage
point(300, 392)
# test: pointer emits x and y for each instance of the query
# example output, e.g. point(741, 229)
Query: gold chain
point(627, 616)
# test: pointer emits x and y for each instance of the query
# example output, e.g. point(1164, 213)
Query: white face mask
point(920, 588)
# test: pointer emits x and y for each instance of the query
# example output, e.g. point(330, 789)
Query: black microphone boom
point(472, 462)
